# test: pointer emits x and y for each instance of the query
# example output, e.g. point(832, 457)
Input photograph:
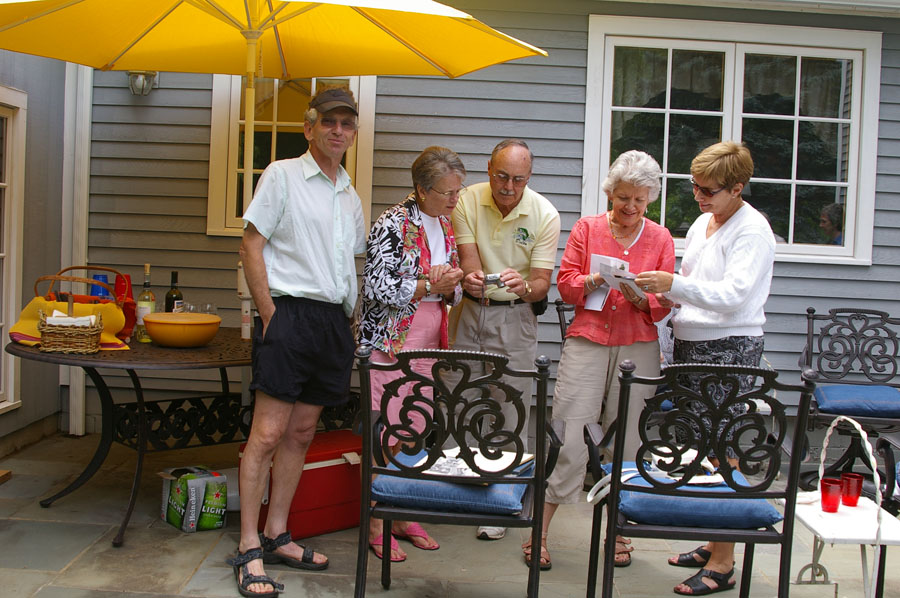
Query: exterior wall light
point(141, 82)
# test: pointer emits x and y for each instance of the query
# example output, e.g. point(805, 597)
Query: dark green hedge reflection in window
point(774, 202)
point(240, 208)
point(816, 221)
point(769, 84)
point(681, 207)
point(771, 143)
point(291, 143)
point(688, 135)
point(637, 131)
point(822, 151)
point(697, 80)
point(825, 87)
point(639, 77)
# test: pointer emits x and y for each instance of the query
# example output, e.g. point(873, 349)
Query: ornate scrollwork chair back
point(452, 400)
point(721, 414)
point(855, 354)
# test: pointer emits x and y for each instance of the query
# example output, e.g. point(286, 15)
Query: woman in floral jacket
point(411, 275)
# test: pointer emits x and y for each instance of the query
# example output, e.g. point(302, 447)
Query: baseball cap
point(330, 99)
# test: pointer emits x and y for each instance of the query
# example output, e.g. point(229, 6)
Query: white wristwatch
point(427, 287)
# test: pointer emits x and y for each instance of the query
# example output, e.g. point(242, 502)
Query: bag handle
point(56, 277)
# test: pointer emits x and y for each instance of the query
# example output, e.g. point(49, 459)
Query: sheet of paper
point(596, 300)
point(615, 272)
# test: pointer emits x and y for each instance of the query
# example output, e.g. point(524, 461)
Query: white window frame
point(14, 107)
point(604, 31)
point(223, 150)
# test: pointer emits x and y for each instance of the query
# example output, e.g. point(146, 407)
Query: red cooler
point(327, 497)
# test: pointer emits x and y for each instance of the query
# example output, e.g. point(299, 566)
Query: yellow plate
point(182, 329)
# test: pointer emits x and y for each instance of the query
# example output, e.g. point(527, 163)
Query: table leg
point(141, 450)
point(106, 436)
point(815, 568)
point(865, 570)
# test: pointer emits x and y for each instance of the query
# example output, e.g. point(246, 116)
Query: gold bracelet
point(527, 289)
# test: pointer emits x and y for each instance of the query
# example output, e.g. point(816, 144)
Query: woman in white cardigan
point(722, 287)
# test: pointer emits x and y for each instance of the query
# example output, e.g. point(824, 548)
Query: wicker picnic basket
point(82, 340)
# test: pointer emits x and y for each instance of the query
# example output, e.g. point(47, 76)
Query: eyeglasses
point(450, 194)
point(705, 191)
point(517, 181)
point(330, 122)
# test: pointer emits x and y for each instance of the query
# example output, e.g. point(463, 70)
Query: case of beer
point(327, 497)
point(193, 498)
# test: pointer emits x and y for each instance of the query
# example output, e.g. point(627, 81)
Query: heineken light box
point(193, 498)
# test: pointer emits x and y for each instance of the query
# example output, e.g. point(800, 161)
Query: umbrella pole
point(249, 114)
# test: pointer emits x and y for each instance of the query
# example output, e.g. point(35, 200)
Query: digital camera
point(493, 279)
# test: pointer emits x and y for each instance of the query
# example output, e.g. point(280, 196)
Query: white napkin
point(60, 319)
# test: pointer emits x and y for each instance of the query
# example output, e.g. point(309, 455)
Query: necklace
point(622, 238)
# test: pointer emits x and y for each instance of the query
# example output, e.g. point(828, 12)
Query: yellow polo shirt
point(526, 238)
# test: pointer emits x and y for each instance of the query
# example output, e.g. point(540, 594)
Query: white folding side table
point(850, 525)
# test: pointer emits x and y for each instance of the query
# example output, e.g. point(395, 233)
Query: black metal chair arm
point(596, 441)
point(556, 431)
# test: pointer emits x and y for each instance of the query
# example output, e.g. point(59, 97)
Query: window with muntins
point(805, 112)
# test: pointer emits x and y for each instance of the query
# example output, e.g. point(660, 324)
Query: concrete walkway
point(66, 550)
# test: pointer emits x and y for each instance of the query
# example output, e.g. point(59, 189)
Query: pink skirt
point(424, 333)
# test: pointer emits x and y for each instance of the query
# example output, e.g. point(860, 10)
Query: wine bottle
point(174, 298)
point(146, 304)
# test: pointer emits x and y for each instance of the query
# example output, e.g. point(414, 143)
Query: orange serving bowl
point(182, 329)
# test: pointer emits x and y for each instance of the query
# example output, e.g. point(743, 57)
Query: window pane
point(681, 207)
point(825, 87)
point(688, 134)
point(697, 80)
point(819, 215)
point(293, 100)
point(774, 202)
point(3, 124)
point(637, 130)
point(239, 204)
point(769, 83)
point(771, 143)
point(822, 151)
point(639, 77)
point(290, 143)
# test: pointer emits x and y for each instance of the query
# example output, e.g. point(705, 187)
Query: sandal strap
point(248, 579)
point(272, 544)
point(308, 555)
point(721, 579)
point(242, 558)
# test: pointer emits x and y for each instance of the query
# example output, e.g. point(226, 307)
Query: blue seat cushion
point(742, 513)
point(492, 499)
point(858, 399)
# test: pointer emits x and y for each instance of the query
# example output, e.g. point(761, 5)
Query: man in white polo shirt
point(503, 227)
point(300, 235)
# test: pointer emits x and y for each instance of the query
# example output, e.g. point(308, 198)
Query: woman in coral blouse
point(587, 386)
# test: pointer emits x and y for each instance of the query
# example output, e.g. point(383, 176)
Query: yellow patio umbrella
point(282, 39)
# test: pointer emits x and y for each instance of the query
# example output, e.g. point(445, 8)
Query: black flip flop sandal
point(270, 557)
point(245, 579)
point(686, 559)
point(698, 588)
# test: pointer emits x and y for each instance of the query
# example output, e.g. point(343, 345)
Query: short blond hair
point(726, 163)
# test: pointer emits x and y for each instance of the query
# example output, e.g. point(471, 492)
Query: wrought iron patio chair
point(653, 494)
point(854, 352)
point(458, 401)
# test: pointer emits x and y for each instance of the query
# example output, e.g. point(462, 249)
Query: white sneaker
point(487, 532)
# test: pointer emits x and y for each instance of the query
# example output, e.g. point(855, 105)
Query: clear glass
point(769, 84)
point(639, 77)
point(774, 202)
point(688, 135)
point(826, 86)
point(771, 143)
point(681, 207)
point(201, 308)
point(813, 207)
point(822, 151)
point(697, 80)
point(637, 131)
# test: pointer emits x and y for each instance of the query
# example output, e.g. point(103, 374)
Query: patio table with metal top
point(152, 426)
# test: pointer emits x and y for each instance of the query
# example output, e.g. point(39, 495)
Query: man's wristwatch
point(527, 289)
point(427, 287)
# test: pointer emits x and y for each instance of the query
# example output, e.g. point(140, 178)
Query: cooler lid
point(331, 445)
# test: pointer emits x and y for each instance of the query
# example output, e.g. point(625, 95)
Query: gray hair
point(311, 116)
point(511, 143)
point(433, 164)
point(637, 168)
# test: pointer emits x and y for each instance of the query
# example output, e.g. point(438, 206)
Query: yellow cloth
point(25, 331)
point(527, 238)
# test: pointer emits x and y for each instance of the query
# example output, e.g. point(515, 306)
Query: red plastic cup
point(123, 286)
point(851, 488)
point(831, 494)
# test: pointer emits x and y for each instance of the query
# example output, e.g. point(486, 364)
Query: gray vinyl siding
point(149, 174)
point(43, 80)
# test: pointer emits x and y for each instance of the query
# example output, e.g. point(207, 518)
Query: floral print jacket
point(397, 257)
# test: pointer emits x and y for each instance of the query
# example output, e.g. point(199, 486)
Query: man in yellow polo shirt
point(503, 227)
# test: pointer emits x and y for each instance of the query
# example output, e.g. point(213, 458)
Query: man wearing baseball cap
point(301, 231)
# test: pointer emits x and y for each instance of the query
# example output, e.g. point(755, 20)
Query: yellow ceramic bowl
point(181, 329)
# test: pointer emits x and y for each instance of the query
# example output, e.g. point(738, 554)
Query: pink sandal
point(378, 544)
point(414, 530)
